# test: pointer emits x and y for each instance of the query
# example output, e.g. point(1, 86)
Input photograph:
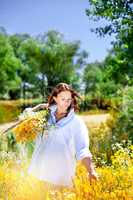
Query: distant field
point(92, 120)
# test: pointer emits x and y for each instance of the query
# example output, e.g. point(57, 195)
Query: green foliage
point(92, 76)
point(85, 103)
point(117, 15)
point(116, 134)
point(8, 66)
point(100, 84)
point(118, 12)
point(123, 128)
point(11, 142)
point(32, 66)
point(105, 141)
point(56, 59)
point(100, 103)
point(100, 144)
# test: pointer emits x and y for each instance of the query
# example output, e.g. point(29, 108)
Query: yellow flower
point(29, 128)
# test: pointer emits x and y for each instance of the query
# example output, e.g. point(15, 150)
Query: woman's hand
point(87, 162)
point(93, 176)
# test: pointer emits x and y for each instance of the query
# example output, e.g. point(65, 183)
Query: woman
point(55, 155)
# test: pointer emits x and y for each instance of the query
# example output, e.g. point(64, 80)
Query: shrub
point(90, 102)
point(123, 127)
point(9, 110)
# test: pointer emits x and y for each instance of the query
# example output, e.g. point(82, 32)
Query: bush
point(85, 103)
point(101, 141)
point(123, 127)
point(116, 132)
point(90, 102)
point(9, 110)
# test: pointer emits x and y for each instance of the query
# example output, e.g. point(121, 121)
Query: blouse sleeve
point(81, 140)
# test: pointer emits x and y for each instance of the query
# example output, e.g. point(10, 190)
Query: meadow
point(115, 177)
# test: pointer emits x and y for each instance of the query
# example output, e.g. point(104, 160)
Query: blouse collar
point(64, 120)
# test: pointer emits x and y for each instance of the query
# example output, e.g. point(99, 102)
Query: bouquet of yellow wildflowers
point(31, 124)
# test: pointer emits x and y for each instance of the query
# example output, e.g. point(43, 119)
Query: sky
point(66, 16)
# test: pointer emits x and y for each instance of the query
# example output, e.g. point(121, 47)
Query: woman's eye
point(68, 100)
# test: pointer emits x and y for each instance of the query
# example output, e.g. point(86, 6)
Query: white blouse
point(54, 157)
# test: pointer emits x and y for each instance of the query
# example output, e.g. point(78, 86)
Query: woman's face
point(63, 101)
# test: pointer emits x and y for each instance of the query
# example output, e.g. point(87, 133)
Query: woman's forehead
point(65, 94)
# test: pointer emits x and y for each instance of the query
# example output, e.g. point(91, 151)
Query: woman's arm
point(82, 148)
point(87, 162)
point(39, 106)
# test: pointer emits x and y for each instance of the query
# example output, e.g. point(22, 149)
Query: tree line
point(32, 66)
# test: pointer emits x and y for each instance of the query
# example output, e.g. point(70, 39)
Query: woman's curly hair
point(64, 87)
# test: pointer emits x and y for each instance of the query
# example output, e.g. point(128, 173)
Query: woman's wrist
point(87, 162)
point(91, 169)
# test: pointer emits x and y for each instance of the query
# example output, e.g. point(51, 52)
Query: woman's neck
point(60, 114)
point(61, 111)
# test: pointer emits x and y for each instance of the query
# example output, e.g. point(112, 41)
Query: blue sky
point(66, 16)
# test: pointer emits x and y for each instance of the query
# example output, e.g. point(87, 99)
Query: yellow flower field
point(115, 179)
point(115, 183)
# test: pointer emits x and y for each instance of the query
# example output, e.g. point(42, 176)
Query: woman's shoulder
point(78, 120)
point(78, 125)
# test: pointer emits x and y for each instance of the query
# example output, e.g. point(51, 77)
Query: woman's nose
point(68, 100)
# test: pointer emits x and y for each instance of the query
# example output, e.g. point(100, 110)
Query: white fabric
point(54, 157)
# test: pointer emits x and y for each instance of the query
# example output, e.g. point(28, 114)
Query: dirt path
point(5, 126)
point(93, 120)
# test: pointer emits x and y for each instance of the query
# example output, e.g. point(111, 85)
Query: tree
point(16, 40)
point(28, 53)
point(8, 66)
point(59, 59)
point(38, 64)
point(92, 76)
point(116, 69)
point(117, 13)
point(99, 82)
point(119, 21)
